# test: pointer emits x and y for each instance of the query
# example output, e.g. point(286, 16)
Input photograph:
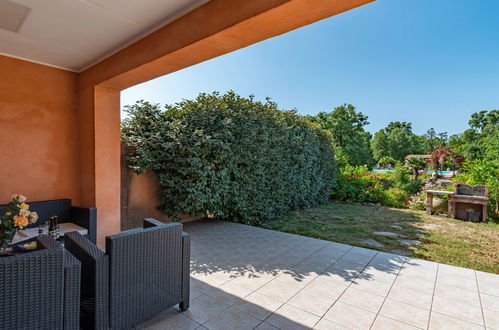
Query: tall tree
point(432, 139)
point(395, 141)
point(481, 140)
point(350, 139)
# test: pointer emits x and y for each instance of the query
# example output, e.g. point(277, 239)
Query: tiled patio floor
point(250, 278)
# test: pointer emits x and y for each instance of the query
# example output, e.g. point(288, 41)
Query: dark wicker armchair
point(143, 272)
point(85, 217)
point(40, 289)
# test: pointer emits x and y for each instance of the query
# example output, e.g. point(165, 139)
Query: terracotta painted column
point(99, 121)
point(107, 161)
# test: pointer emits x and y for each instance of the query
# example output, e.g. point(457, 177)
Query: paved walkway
point(250, 278)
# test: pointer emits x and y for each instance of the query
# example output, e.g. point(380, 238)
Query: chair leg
point(184, 305)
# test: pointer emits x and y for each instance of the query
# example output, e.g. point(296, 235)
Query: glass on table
point(43, 229)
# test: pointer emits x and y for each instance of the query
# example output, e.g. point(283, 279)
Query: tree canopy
point(395, 141)
point(350, 139)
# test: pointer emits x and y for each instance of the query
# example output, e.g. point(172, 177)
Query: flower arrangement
point(17, 216)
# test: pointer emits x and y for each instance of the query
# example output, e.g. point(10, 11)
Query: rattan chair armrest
point(86, 217)
point(150, 222)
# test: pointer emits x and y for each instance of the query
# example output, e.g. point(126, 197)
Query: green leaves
point(231, 156)
point(350, 140)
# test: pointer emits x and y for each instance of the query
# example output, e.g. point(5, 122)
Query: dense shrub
point(402, 179)
point(395, 197)
point(359, 188)
point(231, 156)
point(359, 185)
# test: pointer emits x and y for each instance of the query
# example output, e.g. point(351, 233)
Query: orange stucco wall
point(38, 121)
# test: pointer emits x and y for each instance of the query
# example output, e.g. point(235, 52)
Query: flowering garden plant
point(365, 187)
point(441, 155)
point(17, 216)
point(362, 186)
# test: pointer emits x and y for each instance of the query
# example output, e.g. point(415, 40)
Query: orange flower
point(33, 217)
point(24, 206)
point(8, 213)
point(20, 221)
point(23, 213)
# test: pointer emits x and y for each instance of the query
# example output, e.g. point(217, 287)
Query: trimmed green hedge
point(231, 156)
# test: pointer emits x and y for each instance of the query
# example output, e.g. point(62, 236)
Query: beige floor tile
point(289, 317)
point(457, 294)
point(350, 316)
point(204, 308)
point(344, 277)
point(443, 322)
point(279, 290)
point(420, 263)
point(212, 279)
point(488, 278)
point(235, 289)
point(405, 313)
point(457, 310)
point(316, 265)
point(394, 260)
point(490, 289)
point(363, 251)
point(448, 270)
point(328, 325)
point(489, 302)
point(171, 319)
point(356, 258)
point(382, 275)
point(194, 293)
point(327, 286)
point(232, 318)
point(259, 306)
point(346, 265)
point(295, 277)
point(253, 282)
point(458, 282)
point(312, 301)
point(414, 283)
point(491, 318)
point(265, 326)
point(385, 323)
point(362, 299)
point(419, 272)
point(411, 297)
point(372, 286)
point(226, 297)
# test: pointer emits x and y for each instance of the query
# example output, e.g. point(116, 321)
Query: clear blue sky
point(429, 62)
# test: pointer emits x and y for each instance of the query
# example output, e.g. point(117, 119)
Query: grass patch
point(455, 242)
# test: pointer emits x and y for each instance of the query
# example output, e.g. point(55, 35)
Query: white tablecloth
point(64, 227)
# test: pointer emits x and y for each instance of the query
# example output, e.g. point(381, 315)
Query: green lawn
point(460, 243)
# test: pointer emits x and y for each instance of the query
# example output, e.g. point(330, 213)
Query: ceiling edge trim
point(39, 62)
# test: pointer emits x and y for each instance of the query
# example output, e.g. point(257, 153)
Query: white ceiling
point(76, 34)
